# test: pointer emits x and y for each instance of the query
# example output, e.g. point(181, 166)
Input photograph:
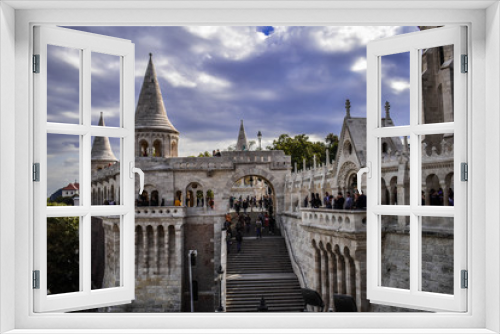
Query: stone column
point(340, 273)
point(179, 248)
point(317, 270)
point(446, 194)
point(332, 278)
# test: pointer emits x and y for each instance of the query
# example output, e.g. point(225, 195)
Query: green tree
point(204, 154)
point(63, 259)
point(299, 148)
point(334, 144)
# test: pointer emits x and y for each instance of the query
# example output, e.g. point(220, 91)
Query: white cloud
point(343, 39)
point(399, 85)
point(229, 42)
point(359, 65)
point(212, 82)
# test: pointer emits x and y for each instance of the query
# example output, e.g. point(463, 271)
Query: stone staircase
point(262, 269)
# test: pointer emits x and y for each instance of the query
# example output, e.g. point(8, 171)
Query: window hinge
point(464, 171)
point(465, 279)
point(465, 64)
point(36, 63)
point(36, 172)
point(36, 279)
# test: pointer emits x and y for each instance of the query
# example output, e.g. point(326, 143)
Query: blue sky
point(277, 79)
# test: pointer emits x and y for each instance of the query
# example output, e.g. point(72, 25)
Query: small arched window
point(157, 149)
point(144, 148)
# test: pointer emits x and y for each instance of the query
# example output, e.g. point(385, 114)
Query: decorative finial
point(387, 108)
point(347, 108)
point(150, 55)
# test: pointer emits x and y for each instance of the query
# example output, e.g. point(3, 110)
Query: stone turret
point(242, 144)
point(102, 155)
point(155, 134)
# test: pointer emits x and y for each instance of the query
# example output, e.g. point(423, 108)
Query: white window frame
point(484, 24)
point(414, 297)
point(86, 44)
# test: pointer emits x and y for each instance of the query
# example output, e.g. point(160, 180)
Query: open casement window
point(415, 150)
point(69, 238)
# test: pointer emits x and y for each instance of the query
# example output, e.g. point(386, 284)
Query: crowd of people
point(436, 197)
point(264, 223)
point(338, 202)
point(238, 204)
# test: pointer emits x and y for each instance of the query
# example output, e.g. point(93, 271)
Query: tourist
point(434, 198)
point(317, 201)
point(306, 201)
point(423, 197)
point(340, 201)
point(177, 202)
point(348, 202)
point(228, 242)
point(248, 222)
point(272, 224)
point(245, 206)
point(361, 202)
point(213, 153)
point(218, 154)
point(328, 200)
point(312, 201)
point(258, 228)
point(239, 240)
point(231, 202)
point(237, 207)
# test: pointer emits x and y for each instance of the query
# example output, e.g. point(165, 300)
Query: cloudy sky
point(279, 80)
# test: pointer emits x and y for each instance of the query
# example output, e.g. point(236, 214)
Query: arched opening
point(200, 200)
point(154, 198)
point(433, 194)
point(157, 148)
point(352, 185)
point(189, 199)
point(252, 193)
point(143, 199)
point(192, 198)
point(211, 198)
point(178, 198)
point(143, 148)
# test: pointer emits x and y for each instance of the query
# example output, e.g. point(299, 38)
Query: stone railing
point(336, 220)
point(227, 161)
point(160, 212)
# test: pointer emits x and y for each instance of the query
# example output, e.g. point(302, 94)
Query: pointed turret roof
point(242, 144)
point(101, 149)
point(150, 112)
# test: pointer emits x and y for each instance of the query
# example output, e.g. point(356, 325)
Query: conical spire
point(150, 112)
point(101, 149)
point(242, 144)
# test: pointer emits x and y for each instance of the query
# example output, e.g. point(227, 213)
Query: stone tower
point(155, 135)
point(102, 155)
point(242, 144)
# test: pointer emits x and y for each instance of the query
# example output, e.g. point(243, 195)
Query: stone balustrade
point(334, 220)
point(160, 211)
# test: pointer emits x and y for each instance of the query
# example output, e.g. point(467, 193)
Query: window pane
point(437, 85)
point(63, 255)
point(106, 254)
point(106, 89)
point(437, 254)
point(395, 269)
point(106, 171)
point(63, 84)
point(395, 171)
point(395, 89)
point(63, 169)
point(437, 186)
